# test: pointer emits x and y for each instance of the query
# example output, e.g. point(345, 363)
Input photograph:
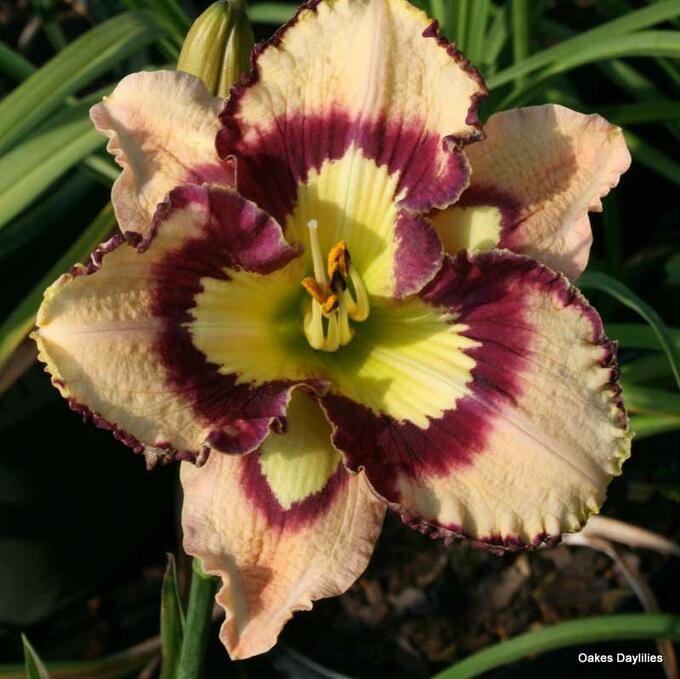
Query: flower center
point(334, 299)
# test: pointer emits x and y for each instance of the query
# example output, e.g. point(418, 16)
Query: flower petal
point(282, 527)
point(357, 132)
point(534, 179)
point(161, 128)
point(526, 449)
point(125, 338)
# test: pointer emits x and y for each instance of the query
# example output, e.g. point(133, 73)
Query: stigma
point(336, 296)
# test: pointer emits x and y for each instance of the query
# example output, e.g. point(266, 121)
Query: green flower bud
point(218, 45)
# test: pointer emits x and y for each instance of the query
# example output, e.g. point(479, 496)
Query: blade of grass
point(640, 44)
point(35, 669)
point(271, 12)
point(599, 36)
point(520, 35)
point(102, 169)
point(50, 24)
point(32, 166)
point(642, 112)
point(45, 214)
point(12, 64)
point(458, 21)
point(20, 322)
point(647, 368)
point(572, 633)
point(438, 10)
point(168, 13)
point(651, 157)
point(478, 22)
point(495, 40)
point(172, 622)
point(639, 336)
point(622, 74)
point(117, 666)
point(84, 60)
point(197, 629)
point(648, 401)
point(651, 425)
point(638, 585)
point(671, 70)
point(605, 283)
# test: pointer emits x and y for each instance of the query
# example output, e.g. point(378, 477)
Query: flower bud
point(218, 45)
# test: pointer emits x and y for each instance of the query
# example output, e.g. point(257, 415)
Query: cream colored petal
point(535, 426)
point(355, 117)
point(282, 527)
point(161, 128)
point(539, 172)
point(136, 339)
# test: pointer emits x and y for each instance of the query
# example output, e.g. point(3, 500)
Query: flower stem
point(197, 630)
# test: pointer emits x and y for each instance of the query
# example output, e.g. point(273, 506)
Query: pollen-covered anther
point(337, 294)
point(338, 266)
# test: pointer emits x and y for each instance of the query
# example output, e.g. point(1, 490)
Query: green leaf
point(32, 166)
point(438, 10)
point(639, 336)
point(104, 170)
point(45, 214)
point(605, 283)
point(622, 74)
point(21, 321)
point(168, 13)
point(673, 270)
point(199, 617)
point(642, 112)
point(172, 621)
point(478, 22)
point(640, 44)
point(122, 665)
point(646, 368)
point(34, 666)
point(495, 40)
point(457, 25)
point(651, 401)
point(13, 64)
point(651, 425)
point(652, 158)
point(572, 633)
point(83, 61)
point(596, 39)
point(271, 12)
point(520, 34)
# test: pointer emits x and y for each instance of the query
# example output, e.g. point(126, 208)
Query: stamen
point(333, 334)
point(314, 289)
point(361, 307)
point(331, 304)
point(313, 325)
point(338, 266)
point(346, 332)
point(327, 313)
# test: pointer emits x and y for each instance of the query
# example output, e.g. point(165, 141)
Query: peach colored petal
point(282, 527)
point(535, 427)
point(161, 128)
point(539, 172)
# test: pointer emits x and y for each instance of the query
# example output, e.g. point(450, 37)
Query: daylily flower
point(331, 309)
